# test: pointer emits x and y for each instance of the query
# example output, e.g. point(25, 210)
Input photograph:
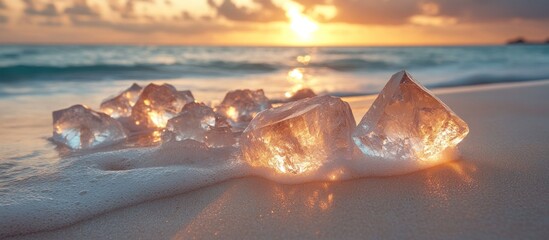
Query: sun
point(301, 24)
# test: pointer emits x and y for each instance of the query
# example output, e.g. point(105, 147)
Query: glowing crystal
point(157, 104)
point(79, 127)
point(200, 123)
point(406, 121)
point(301, 94)
point(121, 105)
point(241, 106)
point(300, 136)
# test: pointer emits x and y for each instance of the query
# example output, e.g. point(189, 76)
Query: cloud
point(494, 10)
point(81, 8)
point(268, 12)
point(186, 16)
point(395, 12)
point(50, 23)
point(49, 10)
point(374, 12)
point(153, 27)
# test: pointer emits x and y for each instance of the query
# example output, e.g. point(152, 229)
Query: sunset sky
point(272, 22)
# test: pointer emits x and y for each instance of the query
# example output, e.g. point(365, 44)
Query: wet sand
point(498, 189)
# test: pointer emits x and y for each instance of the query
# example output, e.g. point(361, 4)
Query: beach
point(498, 188)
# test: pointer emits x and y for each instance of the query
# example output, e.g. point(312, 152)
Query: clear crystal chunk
point(121, 105)
point(300, 136)
point(406, 121)
point(241, 106)
point(301, 94)
point(157, 104)
point(200, 123)
point(79, 127)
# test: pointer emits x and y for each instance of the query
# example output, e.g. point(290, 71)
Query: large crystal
point(406, 121)
point(200, 123)
point(157, 104)
point(79, 127)
point(300, 136)
point(241, 106)
point(121, 105)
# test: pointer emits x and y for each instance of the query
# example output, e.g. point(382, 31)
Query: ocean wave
point(352, 64)
point(489, 78)
point(136, 71)
point(29, 72)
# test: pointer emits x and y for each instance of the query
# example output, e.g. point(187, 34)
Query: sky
point(273, 22)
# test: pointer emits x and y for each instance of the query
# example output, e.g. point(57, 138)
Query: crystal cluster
point(79, 127)
point(241, 106)
point(121, 105)
point(200, 123)
point(406, 121)
point(157, 104)
point(300, 136)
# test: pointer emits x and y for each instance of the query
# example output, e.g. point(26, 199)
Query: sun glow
point(301, 24)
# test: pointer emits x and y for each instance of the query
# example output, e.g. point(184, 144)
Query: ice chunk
point(241, 106)
point(200, 123)
point(121, 105)
point(301, 94)
point(407, 122)
point(300, 136)
point(79, 127)
point(157, 104)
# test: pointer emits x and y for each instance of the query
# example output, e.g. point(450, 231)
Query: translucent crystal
point(300, 136)
point(157, 104)
point(200, 123)
point(241, 106)
point(407, 122)
point(301, 94)
point(121, 105)
point(79, 127)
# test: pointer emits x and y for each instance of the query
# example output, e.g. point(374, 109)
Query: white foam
point(85, 186)
point(89, 185)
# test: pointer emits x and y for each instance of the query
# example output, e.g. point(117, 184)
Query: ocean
point(35, 174)
point(211, 71)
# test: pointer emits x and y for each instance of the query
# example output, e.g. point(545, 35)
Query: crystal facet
point(301, 94)
point(241, 106)
point(157, 104)
point(200, 123)
point(79, 127)
point(406, 121)
point(121, 105)
point(300, 136)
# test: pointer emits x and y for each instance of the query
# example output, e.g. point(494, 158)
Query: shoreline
point(495, 190)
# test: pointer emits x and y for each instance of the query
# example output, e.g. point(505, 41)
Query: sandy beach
point(498, 189)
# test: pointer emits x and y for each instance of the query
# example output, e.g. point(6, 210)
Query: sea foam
point(88, 185)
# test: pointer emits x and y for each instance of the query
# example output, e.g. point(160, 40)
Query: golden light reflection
point(156, 136)
point(336, 174)
point(304, 59)
point(316, 197)
point(441, 179)
point(158, 119)
point(297, 78)
point(232, 114)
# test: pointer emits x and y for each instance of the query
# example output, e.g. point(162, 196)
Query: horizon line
point(249, 45)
